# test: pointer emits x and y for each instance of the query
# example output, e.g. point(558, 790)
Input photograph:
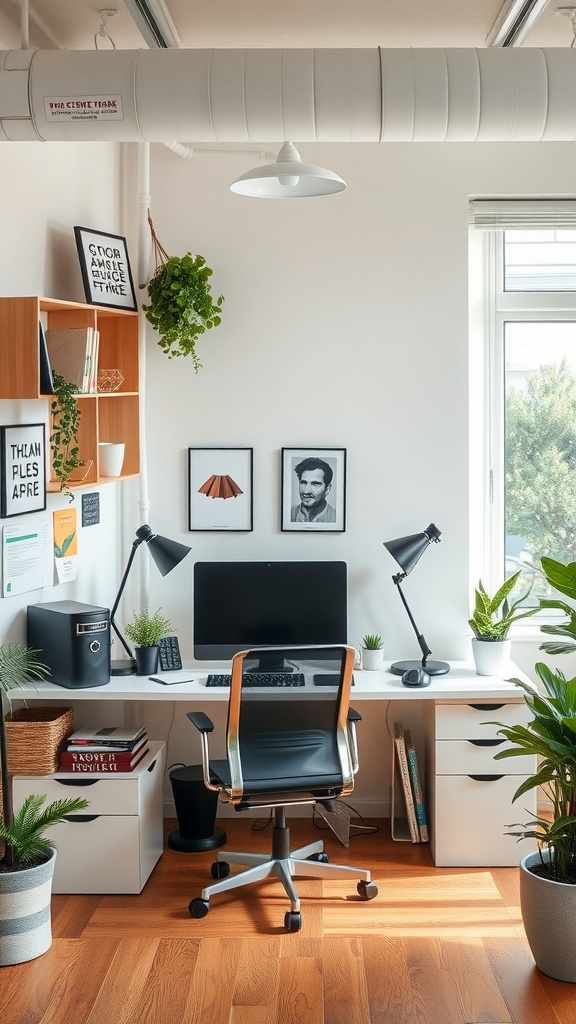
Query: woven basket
point(35, 737)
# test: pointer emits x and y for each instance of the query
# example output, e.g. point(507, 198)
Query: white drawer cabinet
point(470, 794)
point(113, 845)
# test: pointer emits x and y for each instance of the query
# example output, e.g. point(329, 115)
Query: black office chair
point(291, 746)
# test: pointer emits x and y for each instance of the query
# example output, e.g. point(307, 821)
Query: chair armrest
point(354, 716)
point(201, 721)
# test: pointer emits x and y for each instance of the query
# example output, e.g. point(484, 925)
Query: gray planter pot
point(549, 914)
point(25, 920)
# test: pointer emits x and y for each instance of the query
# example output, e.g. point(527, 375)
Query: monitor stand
point(270, 662)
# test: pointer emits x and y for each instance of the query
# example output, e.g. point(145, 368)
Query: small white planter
point(373, 661)
point(549, 915)
point(25, 920)
point(111, 458)
point(490, 656)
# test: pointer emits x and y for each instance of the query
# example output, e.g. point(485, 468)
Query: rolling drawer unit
point(470, 794)
point(112, 846)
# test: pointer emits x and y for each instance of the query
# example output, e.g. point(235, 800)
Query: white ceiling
point(73, 24)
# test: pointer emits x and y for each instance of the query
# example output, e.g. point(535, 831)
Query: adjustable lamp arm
point(142, 534)
point(426, 652)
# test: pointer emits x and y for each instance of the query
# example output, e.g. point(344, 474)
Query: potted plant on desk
point(372, 652)
point(146, 631)
point(27, 860)
point(490, 623)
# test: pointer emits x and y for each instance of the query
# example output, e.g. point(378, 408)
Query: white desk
point(469, 794)
point(461, 683)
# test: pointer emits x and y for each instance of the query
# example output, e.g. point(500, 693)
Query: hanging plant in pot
point(490, 623)
point(64, 443)
point(181, 306)
point(28, 856)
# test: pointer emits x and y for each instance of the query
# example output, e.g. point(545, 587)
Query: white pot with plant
point(490, 623)
point(28, 856)
point(372, 652)
point(146, 631)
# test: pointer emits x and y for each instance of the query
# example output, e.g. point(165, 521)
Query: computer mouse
point(416, 677)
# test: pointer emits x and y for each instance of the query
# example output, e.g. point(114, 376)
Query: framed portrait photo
point(313, 490)
point(220, 489)
point(105, 267)
point(22, 469)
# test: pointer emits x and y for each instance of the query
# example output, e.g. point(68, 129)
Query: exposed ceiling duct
point(515, 21)
point(326, 95)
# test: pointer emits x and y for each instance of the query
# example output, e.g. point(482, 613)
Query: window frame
point(503, 307)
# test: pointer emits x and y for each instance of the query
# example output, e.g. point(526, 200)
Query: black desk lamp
point(407, 551)
point(166, 554)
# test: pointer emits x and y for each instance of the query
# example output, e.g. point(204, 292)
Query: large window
point(532, 399)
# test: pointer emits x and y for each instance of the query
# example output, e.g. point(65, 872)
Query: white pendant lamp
point(288, 178)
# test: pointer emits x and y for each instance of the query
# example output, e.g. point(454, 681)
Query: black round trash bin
point(196, 809)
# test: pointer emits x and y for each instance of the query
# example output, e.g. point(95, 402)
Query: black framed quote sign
point(314, 490)
point(22, 469)
point(105, 267)
point(220, 489)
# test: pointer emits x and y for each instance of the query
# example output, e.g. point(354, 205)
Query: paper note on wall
point(25, 547)
point(65, 544)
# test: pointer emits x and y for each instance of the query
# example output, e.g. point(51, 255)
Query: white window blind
point(515, 214)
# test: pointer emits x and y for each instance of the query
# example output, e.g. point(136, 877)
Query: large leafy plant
point(24, 841)
point(551, 737)
point(181, 306)
point(562, 578)
point(493, 616)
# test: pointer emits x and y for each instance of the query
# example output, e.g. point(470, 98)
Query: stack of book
point(409, 772)
point(107, 750)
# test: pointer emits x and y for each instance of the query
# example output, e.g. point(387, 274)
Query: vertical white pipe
point(143, 269)
point(24, 26)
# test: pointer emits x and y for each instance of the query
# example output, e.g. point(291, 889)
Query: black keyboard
point(259, 679)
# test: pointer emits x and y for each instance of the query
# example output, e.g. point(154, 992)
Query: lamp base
point(433, 668)
point(124, 667)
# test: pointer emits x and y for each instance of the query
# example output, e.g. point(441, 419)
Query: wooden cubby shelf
point(106, 416)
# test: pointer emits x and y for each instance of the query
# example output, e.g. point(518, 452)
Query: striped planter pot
point(25, 923)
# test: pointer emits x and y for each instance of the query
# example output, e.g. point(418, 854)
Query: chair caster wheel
point(367, 890)
point(292, 921)
point(220, 869)
point(198, 907)
point(321, 858)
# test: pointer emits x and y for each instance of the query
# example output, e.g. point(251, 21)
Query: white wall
point(46, 189)
point(345, 324)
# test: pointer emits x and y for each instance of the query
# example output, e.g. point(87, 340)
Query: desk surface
point(461, 683)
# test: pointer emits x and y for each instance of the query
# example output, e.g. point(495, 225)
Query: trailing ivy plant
point(181, 306)
point(64, 437)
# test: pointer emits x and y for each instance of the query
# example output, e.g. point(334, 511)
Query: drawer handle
point(152, 766)
point(80, 818)
point(486, 743)
point(77, 782)
point(486, 707)
point(485, 778)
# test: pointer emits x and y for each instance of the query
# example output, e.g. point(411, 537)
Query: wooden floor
point(436, 946)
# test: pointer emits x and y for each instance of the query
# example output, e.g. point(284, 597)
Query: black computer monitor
point(242, 605)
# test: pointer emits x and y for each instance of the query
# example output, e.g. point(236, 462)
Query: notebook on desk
point(168, 678)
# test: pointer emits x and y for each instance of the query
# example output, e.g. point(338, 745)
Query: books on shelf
point(46, 381)
point(412, 791)
point(73, 354)
point(107, 738)
point(417, 790)
point(107, 762)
